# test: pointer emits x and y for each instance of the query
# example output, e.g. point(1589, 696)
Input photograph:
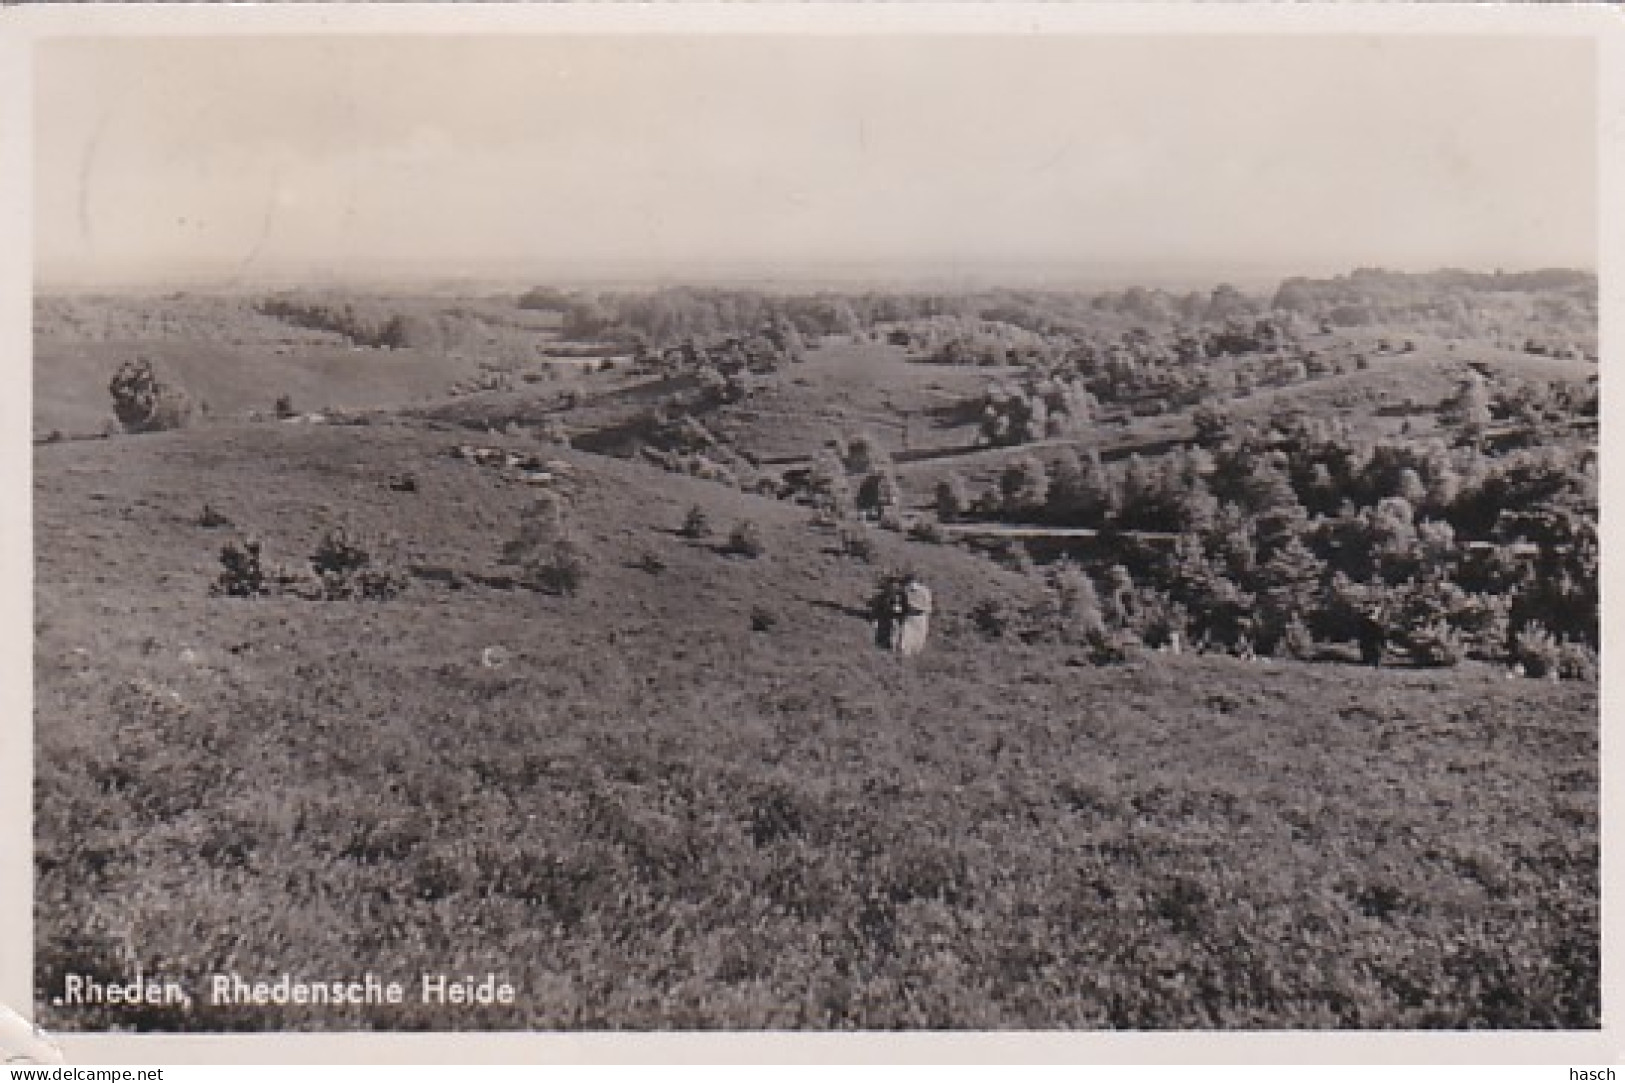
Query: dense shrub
point(243, 572)
point(992, 617)
point(561, 568)
point(1077, 605)
point(697, 523)
point(746, 540)
point(927, 530)
point(143, 401)
point(545, 549)
point(1577, 662)
point(346, 569)
point(1542, 654)
point(1297, 641)
point(952, 498)
point(1435, 644)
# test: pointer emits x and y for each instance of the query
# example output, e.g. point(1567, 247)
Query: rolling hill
point(694, 794)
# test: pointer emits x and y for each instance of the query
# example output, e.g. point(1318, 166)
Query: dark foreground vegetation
point(565, 675)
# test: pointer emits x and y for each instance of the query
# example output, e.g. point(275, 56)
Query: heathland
point(531, 636)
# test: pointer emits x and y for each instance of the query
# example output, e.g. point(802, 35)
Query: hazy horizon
point(1068, 161)
point(1035, 279)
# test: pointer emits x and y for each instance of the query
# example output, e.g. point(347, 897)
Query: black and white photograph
point(815, 531)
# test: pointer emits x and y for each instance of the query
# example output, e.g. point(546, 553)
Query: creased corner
point(21, 1042)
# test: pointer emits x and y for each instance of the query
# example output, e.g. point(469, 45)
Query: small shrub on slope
point(746, 540)
point(347, 570)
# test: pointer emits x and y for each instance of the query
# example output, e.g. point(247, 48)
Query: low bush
point(1542, 654)
point(1536, 650)
point(992, 617)
point(210, 519)
point(856, 542)
point(927, 530)
point(1298, 642)
point(546, 550)
point(1436, 644)
point(1576, 662)
point(746, 540)
point(561, 569)
point(696, 524)
point(243, 572)
point(346, 570)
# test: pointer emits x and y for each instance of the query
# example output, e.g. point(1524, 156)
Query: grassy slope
point(70, 378)
point(655, 817)
point(848, 388)
point(1424, 378)
point(225, 353)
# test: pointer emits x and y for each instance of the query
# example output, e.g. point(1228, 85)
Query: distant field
point(70, 379)
point(235, 359)
point(651, 816)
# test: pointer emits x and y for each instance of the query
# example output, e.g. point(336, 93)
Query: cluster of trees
point(1562, 303)
point(681, 444)
point(670, 317)
point(765, 350)
point(1011, 326)
point(1302, 532)
point(965, 327)
point(392, 330)
point(145, 401)
point(855, 476)
point(1036, 408)
point(966, 340)
point(343, 566)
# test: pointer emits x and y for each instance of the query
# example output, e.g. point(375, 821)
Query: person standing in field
point(886, 609)
point(915, 597)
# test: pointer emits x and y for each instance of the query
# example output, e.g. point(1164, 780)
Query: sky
point(249, 159)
